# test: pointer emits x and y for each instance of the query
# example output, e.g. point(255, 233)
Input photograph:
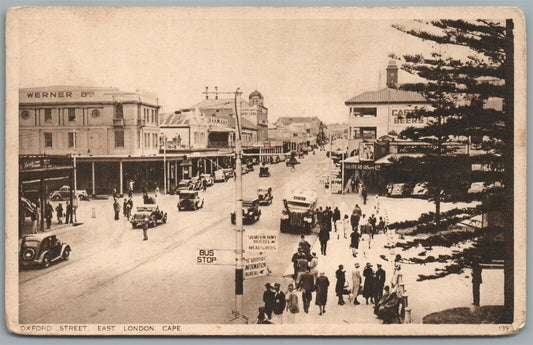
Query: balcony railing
point(118, 122)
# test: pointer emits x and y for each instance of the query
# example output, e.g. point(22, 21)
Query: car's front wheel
point(66, 253)
point(57, 198)
point(46, 261)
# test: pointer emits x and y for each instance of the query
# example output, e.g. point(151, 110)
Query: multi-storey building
point(58, 120)
point(187, 129)
point(374, 114)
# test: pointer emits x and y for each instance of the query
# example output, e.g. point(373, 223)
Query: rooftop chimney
point(206, 94)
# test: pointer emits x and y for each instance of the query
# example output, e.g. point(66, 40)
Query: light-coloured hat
point(356, 265)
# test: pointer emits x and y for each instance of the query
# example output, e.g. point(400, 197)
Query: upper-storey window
point(119, 111)
point(47, 114)
point(48, 140)
point(356, 111)
point(72, 114)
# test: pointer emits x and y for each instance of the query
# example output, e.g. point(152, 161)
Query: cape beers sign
point(261, 241)
point(255, 266)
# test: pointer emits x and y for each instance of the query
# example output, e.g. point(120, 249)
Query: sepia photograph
point(265, 171)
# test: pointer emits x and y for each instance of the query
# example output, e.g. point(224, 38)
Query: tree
point(457, 90)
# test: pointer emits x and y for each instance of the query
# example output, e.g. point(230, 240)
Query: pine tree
point(457, 89)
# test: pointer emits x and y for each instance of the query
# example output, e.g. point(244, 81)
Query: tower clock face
point(391, 74)
point(25, 115)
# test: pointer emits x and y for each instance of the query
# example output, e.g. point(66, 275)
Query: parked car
point(401, 190)
point(298, 214)
point(196, 183)
point(63, 193)
point(150, 214)
point(264, 194)
point(208, 179)
point(264, 172)
point(42, 250)
point(190, 200)
point(250, 165)
point(250, 212)
point(229, 172)
point(183, 185)
point(420, 190)
point(477, 187)
point(220, 176)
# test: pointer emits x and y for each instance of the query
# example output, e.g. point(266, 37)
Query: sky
point(304, 62)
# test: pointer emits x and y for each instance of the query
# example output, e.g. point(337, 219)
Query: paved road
point(113, 276)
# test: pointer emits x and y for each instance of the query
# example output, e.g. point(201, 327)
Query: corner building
point(374, 114)
point(59, 120)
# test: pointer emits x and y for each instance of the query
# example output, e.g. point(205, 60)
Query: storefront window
point(369, 133)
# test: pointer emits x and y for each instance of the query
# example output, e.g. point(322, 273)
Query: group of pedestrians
point(68, 212)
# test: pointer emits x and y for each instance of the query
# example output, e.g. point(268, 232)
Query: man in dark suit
point(380, 282)
point(279, 302)
point(268, 298)
point(306, 282)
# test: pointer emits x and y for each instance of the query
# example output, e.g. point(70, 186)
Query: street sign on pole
point(261, 241)
point(206, 257)
point(255, 266)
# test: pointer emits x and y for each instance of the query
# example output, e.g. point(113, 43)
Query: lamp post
point(164, 163)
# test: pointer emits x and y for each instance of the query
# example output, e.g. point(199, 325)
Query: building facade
point(374, 114)
point(186, 130)
point(59, 120)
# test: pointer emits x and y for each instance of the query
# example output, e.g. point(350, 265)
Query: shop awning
point(395, 156)
point(352, 159)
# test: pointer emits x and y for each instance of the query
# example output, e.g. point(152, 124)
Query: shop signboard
point(366, 152)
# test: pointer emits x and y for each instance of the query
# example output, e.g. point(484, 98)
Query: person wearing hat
point(354, 242)
point(322, 284)
point(292, 304)
point(368, 289)
point(279, 302)
point(356, 282)
point(341, 280)
point(307, 284)
point(380, 282)
point(299, 255)
point(262, 317)
point(323, 237)
point(268, 299)
point(306, 247)
point(313, 266)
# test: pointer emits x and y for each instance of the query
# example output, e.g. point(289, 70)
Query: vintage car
point(298, 214)
point(42, 249)
point(250, 212)
point(209, 181)
point(264, 194)
point(400, 190)
point(63, 193)
point(220, 176)
point(190, 201)
point(196, 183)
point(229, 172)
point(477, 187)
point(264, 172)
point(250, 165)
point(183, 185)
point(421, 190)
point(150, 214)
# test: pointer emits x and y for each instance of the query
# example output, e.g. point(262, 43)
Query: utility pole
point(239, 248)
point(238, 311)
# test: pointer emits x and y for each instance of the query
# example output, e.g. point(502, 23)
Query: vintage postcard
point(265, 171)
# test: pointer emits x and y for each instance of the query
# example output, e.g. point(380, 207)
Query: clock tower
point(392, 75)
